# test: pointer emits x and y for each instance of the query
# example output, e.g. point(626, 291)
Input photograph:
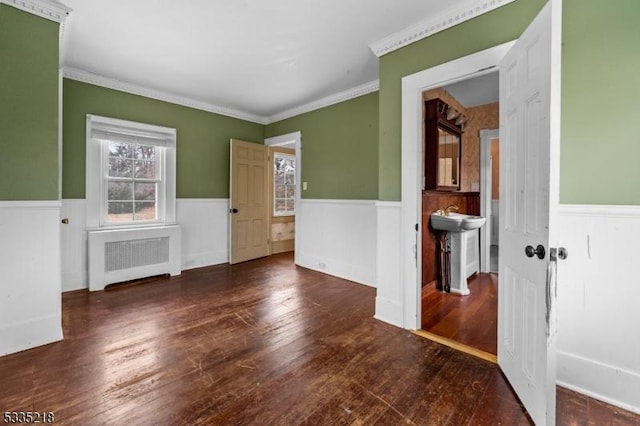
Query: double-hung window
point(130, 173)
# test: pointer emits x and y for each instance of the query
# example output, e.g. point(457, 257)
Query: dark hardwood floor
point(265, 343)
point(471, 320)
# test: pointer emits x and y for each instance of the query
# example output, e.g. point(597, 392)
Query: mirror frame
point(435, 119)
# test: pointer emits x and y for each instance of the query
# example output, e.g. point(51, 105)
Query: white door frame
point(296, 138)
point(486, 181)
point(474, 65)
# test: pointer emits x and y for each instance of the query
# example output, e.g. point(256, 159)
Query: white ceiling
point(476, 91)
point(255, 56)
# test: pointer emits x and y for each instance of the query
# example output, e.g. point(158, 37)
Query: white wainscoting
point(30, 300)
point(598, 303)
point(338, 237)
point(74, 245)
point(389, 289)
point(205, 237)
point(205, 231)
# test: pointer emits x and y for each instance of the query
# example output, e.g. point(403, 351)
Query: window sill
point(135, 226)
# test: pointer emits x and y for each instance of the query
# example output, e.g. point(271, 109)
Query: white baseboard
point(389, 311)
point(74, 280)
point(334, 266)
point(200, 260)
point(600, 381)
point(29, 334)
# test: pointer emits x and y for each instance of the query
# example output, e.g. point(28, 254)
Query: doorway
point(467, 321)
point(285, 157)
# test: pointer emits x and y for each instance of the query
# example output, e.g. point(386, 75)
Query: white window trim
point(295, 182)
point(95, 186)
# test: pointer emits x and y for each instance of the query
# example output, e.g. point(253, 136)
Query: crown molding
point(135, 89)
point(432, 25)
point(346, 95)
point(49, 9)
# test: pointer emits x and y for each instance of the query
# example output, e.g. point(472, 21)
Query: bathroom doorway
point(467, 322)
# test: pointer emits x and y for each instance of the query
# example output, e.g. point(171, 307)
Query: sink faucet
point(451, 208)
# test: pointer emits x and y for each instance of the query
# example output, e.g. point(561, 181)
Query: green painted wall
point(600, 93)
point(339, 149)
point(202, 147)
point(499, 26)
point(28, 106)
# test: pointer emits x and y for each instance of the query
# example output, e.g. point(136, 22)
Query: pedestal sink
point(456, 222)
point(462, 239)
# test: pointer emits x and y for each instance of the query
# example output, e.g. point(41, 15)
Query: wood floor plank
point(262, 342)
point(471, 320)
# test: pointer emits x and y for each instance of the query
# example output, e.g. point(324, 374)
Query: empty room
point(248, 212)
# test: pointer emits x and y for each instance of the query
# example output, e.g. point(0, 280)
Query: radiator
point(117, 255)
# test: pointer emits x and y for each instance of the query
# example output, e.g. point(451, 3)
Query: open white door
point(529, 151)
point(249, 202)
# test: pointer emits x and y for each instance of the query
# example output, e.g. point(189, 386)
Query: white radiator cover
point(117, 255)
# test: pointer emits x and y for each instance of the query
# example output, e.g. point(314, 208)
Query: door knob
point(233, 211)
point(558, 253)
point(538, 251)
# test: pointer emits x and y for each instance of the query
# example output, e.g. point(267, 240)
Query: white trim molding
point(354, 92)
point(610, 211)
point(160, 95)
point(413, 85)
point(49, 9)
point(31, 204)
point(389, 307)
point(137, 89)
point(432, 25)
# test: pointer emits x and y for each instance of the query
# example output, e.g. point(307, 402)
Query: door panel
point(529, 145)
point(249, 210)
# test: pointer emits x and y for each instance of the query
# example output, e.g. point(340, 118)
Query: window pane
point(120, 212)
point(284, 188)
point(120, 150)
point(145, 191)
point(290, 178)
point(291, 191)
point(145, 211)
point(145, 152)
point(145, 169)
point(281, 205)
point(120, 191)
point(119, 167)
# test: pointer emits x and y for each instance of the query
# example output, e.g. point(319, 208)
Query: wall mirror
point(448, 158)
point(442, 148)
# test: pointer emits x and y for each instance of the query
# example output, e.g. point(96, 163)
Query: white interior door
point(529, 151)
point(249, 201)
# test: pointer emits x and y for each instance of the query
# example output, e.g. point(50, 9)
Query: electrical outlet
point(304, 186)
